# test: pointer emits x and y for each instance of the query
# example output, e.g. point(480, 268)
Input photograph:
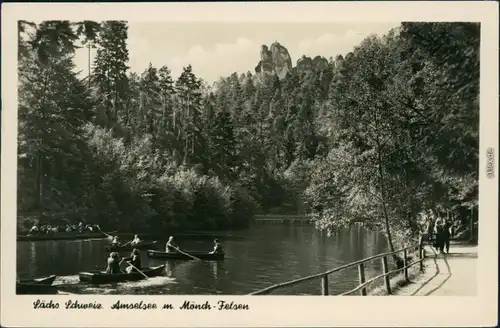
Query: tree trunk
point(384, 205)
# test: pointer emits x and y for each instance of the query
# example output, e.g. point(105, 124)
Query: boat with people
point(129, 247)
point(64, 236)
point(207, 256)
point(37, 286)
point(101, 277)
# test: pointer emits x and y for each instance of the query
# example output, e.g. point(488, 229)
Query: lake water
point(260, 256)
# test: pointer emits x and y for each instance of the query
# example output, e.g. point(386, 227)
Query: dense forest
point(379, 138)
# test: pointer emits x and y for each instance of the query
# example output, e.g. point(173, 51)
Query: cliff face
point(281, 59)
point(306, 64)
point(277, 60)
point(320, 63)
point(274, 60)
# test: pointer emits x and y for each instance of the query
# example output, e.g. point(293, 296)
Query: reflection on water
point(264, 255)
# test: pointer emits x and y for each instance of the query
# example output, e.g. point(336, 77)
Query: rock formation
point(339, 60)
point(306, 64)
point(274, 60)
point(319, 63)
point(277, 60)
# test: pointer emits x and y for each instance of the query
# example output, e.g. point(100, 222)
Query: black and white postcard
point(246, 164)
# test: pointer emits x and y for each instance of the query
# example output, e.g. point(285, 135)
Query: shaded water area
point(261, 256)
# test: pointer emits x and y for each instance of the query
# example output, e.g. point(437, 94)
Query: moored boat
point(36, 286)
point(180, 256)
point(39, 281)
point(22, 288)
point(64, 236)
point(144, 245)
point(100, 277)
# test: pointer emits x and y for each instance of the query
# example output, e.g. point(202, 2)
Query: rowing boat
point(180, 256)
point(100, 277)
point(64, 236)
point(144, 245)
point(35, 289)
point(36, 286)
point(39, 281)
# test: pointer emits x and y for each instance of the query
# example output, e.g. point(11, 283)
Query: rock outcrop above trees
point(277, 60)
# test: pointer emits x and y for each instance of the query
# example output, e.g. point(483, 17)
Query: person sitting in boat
point(134, 259)
point(34, 229)
point(113, 264)
point(135, 241)
point(115, 241)
point(171, 247)
point(217, 248)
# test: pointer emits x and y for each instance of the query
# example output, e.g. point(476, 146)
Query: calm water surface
point(263, 255)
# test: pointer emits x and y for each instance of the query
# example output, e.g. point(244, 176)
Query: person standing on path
point(439, 236)
point(446, 235)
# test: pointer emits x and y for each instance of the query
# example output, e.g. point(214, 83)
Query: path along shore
point(453, 274)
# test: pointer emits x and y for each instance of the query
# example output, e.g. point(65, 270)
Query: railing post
point(361, 274)
point(385, 266)
point(324, 285)
point(421, 253)
point(405, 263)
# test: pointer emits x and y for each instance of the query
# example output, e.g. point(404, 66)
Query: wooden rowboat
point(100, 277)
point(144, 245)
point(39, 281)
point(35, 289)
point(179, 256)
point(36, 286)
point(64, 236)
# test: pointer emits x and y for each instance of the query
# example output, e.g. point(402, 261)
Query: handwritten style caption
point(220, 305)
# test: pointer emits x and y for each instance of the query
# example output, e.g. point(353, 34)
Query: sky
point(218, 49)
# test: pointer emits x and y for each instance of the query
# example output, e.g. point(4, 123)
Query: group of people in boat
point(171, 247)
point(46, 229)
point(134, 242)
point(114, 262)
point(134, 260)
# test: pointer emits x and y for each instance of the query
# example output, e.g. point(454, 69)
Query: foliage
point(375, 138)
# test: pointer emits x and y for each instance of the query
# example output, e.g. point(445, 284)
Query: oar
point(138, 270)
point(109, 236)
point(191, 256)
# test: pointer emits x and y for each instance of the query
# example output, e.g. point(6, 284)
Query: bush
point(141, 188)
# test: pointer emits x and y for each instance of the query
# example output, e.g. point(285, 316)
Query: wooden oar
point(191, 256)
point(138, 270)
point(128, 242)
point(109, 236)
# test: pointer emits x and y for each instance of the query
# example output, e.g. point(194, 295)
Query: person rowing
point(115, 241)
point(134, 259)
point(113, 264)
point(34, 229)
point(136, 241)
point(217, 248)
point(171, 247)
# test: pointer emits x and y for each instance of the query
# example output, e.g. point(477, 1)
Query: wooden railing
point(361, 272)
